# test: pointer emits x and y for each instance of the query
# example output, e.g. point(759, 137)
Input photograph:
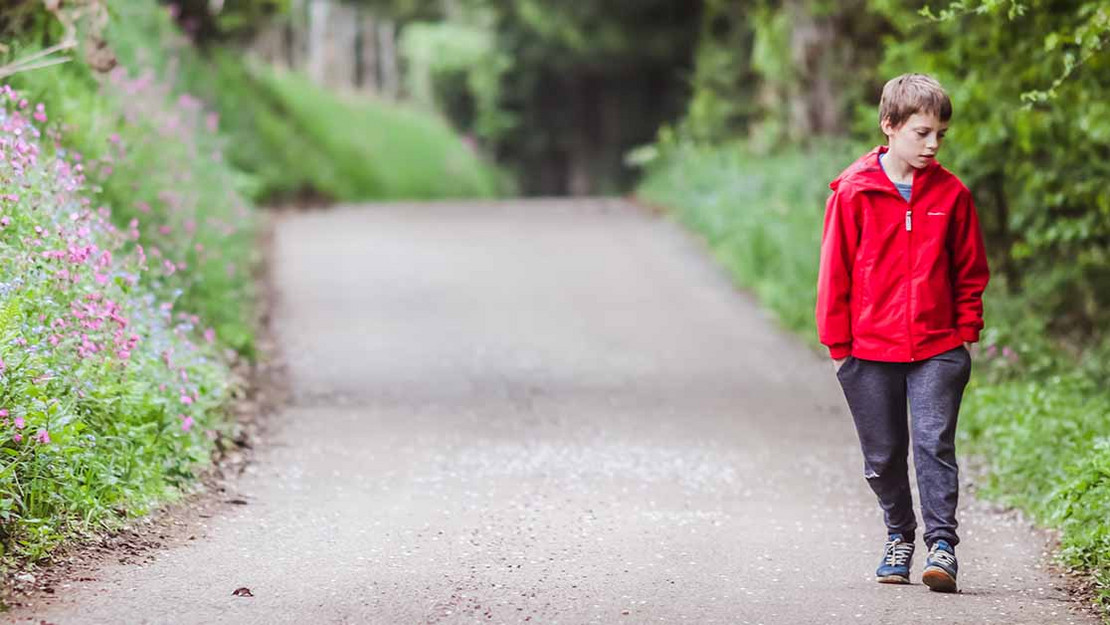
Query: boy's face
point(917, 140)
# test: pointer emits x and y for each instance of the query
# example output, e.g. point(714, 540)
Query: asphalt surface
point(548, 412)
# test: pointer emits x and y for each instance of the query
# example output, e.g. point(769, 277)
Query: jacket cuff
point(970, 334)
point(836, 352)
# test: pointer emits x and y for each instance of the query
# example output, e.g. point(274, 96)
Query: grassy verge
point(384, 151)
point(1036, 414)
point(112, 385)
point(290, 138)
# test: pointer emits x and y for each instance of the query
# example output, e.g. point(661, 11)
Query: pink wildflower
point(17, 437)
point(20, 423)
point(186, 423)
point(4, 221)
point(43, 436)
point(40, 113)
point(185, 399)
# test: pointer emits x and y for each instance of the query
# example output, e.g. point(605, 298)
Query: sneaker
point(941, 568)
point(895, 567)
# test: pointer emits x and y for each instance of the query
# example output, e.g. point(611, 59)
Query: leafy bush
point(761, 216)
point(154, 155)
point(1047, 446)
point(1036, 163)
point(109, 395)
point(457, 68)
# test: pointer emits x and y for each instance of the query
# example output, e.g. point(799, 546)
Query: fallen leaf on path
point(243, 592)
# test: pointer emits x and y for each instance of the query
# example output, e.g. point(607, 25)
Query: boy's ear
point(887, 128)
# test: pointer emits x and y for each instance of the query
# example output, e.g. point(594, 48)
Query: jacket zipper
point(909, 279)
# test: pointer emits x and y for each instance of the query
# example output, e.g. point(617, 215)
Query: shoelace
point(940, 556)
point(898, 552)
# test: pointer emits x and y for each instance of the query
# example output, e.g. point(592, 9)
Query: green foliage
point(759, 214)
point(599, 33)
point(724, 84)
point(109, 398)
point(292, 139)
point(112, 387)
point(189, 210)
point(1030, 84)
point(1047, 447)
point(263, 139)
point(405, 10)
point(1029, 136)
point(380, 151)
point(556, 90)
point(814, 60)
point(455, 67)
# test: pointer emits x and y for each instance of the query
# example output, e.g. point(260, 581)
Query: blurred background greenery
point(732, 114)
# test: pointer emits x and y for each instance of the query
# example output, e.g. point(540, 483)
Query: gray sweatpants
point(877, 394)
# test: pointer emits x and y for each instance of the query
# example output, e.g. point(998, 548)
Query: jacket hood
point(867, 175)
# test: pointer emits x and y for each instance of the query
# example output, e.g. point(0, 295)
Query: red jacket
point(898, 281)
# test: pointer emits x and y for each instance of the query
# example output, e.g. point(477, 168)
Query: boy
point(899, 300)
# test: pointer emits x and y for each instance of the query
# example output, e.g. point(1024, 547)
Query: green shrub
point(761, 216)
point(109, 394)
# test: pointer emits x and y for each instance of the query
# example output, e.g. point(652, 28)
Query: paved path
point(547, 412)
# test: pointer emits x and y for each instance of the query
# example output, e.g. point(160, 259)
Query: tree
point(588, 81)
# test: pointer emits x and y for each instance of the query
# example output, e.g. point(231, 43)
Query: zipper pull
point(909, 221)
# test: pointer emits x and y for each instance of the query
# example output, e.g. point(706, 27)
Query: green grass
point(760, 215)
point(290, 138)
point(1037, 414)
point(381, 150)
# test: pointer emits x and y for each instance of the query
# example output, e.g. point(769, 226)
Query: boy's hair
point(913, 93)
